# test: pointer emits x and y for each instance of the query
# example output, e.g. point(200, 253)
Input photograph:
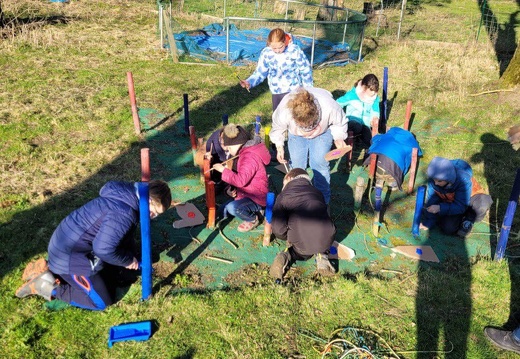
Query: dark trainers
point(34, 269)
point(42, 285)
point(502, 339)
point(280, 264)
point(465, 229)
point(323, 265)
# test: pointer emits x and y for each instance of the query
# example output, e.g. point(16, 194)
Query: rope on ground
point(350, 342)
point(224, 236)
point(193, 238)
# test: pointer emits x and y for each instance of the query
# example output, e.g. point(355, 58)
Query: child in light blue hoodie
point(361, 105)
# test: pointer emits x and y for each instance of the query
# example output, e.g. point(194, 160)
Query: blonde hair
point(304, 109)
point(276, 35)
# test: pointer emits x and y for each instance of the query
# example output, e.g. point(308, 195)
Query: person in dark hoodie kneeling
point(98, 233)
point(454, 199)
point(300, 217)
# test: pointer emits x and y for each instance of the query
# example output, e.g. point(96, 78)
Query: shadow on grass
point(28, 232)
point(502, 36)
point(498, 156)
point(444, 328)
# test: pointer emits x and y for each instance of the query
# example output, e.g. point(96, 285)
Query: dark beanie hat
point(234, 135)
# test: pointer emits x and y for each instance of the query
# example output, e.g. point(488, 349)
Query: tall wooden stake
point(133, 103)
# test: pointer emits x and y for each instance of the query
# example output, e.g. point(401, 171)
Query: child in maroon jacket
point(249, 182)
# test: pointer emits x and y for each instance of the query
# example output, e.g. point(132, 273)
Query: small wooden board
point(342, 252)
point(282, 168)
point(190, 216)
point(423, 253)
point(337, 153)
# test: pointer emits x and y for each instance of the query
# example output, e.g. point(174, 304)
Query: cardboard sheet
point(423, 253)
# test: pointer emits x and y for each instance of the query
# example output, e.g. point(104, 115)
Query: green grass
point(66, 128)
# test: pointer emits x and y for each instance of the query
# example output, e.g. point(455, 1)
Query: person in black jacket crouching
point(301, 218)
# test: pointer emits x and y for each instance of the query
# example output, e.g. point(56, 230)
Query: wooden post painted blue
point(508, 218)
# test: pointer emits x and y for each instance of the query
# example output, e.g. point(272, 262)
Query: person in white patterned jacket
point(284, 65)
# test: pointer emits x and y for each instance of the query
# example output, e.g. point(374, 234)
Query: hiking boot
point(502, 339)
point(323, 265)
point(34, 269)
point(280, 264)
point(465, 229)
point(41, 285)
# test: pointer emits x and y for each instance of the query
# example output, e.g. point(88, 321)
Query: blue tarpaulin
point(245, 45)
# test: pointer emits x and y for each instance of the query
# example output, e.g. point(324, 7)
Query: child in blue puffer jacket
point(454, 199)
point(100, 232)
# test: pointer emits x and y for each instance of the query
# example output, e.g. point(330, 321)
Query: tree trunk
point(512, 74)
point(1, 16)
point(325, 14)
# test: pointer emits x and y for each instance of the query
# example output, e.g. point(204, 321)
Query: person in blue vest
point(361, 105)
point(98, 233)
point(454, 199)
point(394, 155)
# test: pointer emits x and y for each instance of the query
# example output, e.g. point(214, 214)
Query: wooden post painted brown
point(408, 115)
point(413, 170)
point(133, 103)
point(145, 165)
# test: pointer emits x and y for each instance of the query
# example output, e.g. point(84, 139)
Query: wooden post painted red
point(373, 164)
point(133, 103)
point(375, 126)
point(408, 115)
point(413, 170)
point(207, 171)
point(210, 195)
point(211, 204)
point(145, 165)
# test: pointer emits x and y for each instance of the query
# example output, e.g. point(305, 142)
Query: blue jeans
point(516, 336)
point(244, 208)
point(302, 149)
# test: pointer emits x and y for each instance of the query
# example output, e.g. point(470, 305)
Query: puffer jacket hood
point(442, 169)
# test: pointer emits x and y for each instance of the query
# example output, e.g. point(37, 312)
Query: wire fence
point(324, 25)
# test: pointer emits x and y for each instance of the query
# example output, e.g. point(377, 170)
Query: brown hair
point(293, 173)
point(276, 35)
point(303, 108)
point(160, 193)
point(370, 81)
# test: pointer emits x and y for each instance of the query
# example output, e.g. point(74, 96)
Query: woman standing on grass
point(313, 120)
point(284, 64)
